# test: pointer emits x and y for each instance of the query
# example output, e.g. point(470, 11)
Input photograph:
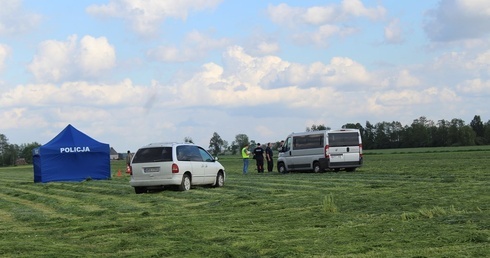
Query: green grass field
point(402, 203)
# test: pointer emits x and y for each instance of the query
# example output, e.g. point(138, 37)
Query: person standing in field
point(259, 158)
point(246, 157)
point(128, 162)
point(128, 158)
point(269, 154)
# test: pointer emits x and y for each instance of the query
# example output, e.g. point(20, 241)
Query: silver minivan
point(321, 150)
point(174, 164)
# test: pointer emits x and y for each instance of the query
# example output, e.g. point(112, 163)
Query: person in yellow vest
point(246, 157)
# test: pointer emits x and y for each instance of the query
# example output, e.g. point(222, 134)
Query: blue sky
point(131, 72)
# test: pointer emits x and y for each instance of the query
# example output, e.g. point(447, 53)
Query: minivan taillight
point(327, 155)
point(130, 170)
point(175, 168)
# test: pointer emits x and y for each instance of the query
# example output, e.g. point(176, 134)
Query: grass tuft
point(329, 205)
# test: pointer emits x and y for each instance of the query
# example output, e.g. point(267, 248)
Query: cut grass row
point(432, 204)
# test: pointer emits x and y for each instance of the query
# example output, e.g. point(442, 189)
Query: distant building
point(20, 161)
point(114, 154)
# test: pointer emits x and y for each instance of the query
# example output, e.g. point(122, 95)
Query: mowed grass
point(418, 203)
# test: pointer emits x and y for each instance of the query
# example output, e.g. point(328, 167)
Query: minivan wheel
point(220, 180)
point(281, 168)
point(186, 183)
point(140, 190)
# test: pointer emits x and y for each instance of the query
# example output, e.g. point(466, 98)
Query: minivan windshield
point(343, 139)
point(157, 154)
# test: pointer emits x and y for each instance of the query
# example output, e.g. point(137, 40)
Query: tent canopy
point(71, 156)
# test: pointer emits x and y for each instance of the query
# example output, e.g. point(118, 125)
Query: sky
point(132, 72)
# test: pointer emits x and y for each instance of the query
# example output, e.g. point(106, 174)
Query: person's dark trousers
point(260, 165)
point(270, 165)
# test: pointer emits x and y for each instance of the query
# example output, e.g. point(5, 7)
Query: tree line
point(11, 153)
point(422, 132)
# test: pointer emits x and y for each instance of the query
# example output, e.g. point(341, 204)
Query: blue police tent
point(71, 156)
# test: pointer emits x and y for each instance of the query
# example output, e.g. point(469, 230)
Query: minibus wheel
point(281, 168)
point(316, 167)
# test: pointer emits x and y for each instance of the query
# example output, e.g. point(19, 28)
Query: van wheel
point(220, 180)
point(186, 183)
point(281, 168)
point(140, 190)
point(316, 167)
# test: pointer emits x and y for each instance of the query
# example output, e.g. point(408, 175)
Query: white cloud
point(20, 117)
point(247, 80)
point(145, 17)
point(196, 45)
point(357, 8)
point(404, 79)
point(326, 21)
point(96, 56)
point(321, 15)
point(458, 20)
point(70, 60)
point(5, 52)
point(264, 48)
point(76, 94)
point(394, 33)
point(476, 87)
point(15, 20)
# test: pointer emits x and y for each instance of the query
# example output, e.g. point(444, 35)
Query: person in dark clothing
point(268, 156)
point(259, 158)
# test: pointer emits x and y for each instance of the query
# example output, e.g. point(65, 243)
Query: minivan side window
point(188, 153)
point(205, 155)
point(343, 139)
point(153, 155)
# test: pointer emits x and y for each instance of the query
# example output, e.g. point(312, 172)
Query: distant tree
point(368, 136)
point(477, 126)
point(4, 151)
point(239, 143)
point(441, 137)
point(317, 128)
point(382, 135)
point(25, 151)
point(486, 131)
point(467, 136)
point(225, 145)
point(188, 139)
point(419, 132)
point(454, 137)
point(216, 144)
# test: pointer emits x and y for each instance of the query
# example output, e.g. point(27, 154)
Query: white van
point(321, 150)
point(179, 164)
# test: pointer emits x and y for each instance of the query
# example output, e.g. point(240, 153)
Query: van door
point(198, 166)
point(154, 163)
point(344, 149)
point(287, 154)
point(210, 167)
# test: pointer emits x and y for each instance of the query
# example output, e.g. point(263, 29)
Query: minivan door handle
point(348, 149)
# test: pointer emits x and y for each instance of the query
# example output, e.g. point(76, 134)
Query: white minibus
point(321, 150)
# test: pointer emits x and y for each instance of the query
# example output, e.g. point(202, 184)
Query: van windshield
point(153, 155)
point(343, 139)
